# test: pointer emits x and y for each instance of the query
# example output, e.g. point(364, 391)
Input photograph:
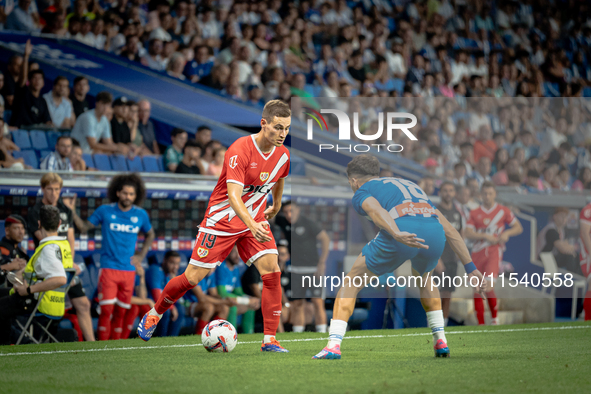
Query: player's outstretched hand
point(411, 240)
point(271, 212)
point(482, 287)
point(261, 232)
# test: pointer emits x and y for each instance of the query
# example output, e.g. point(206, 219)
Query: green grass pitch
point(530, 358)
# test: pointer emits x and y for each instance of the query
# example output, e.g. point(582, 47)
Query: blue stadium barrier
point(135, 164)
point(21, 139)
point(87, 157)
point(43, 154)
point(39, 140)
point(102, 163)
point(151, 164)
point(118, 162)
point(52, 137)
point(161, 163)
point(29, 156)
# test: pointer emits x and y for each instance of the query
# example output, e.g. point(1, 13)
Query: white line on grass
point(107, 349)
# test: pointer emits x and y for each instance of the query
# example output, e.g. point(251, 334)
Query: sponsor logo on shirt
point(124, 228)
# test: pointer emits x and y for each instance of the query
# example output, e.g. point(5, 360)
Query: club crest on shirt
point(486, 221)
point(264, 176)
point(202, 252)
point(134, 219)
point(233, 161)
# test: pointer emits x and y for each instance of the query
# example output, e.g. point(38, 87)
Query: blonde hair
point(49, 178)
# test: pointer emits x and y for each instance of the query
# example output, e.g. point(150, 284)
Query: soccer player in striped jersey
point(254, 166)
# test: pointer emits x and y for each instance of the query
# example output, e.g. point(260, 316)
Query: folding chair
point(27, 328)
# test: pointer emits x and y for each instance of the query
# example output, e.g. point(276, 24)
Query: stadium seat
point(101, 162)
point(135, 164)
point(43, 154)
point(118, 162)
point(161, 163)
point(21, 139)
point(151, 164)
point(87, 157)
point(39, 140)
point(52, 137)
point(29, 156)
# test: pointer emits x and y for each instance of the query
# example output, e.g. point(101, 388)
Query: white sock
point(267, 338)
point(446, 320)
point(298, 328)
point(336, 332)
point(154, 313)
point(321, 327)
point(435, 320)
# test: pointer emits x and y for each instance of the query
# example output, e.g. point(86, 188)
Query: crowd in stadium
point(257, 51)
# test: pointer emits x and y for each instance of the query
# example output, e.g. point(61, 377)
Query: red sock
point(587, 305)
point(117, 322)
point(73, 318)
point(174, 290)
point(479, 308)
point(128, 320)
point(271, 302)
point(200, 326)
point(491, 297)
point(104, 323)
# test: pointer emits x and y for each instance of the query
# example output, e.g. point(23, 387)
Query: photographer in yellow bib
point(44, 273)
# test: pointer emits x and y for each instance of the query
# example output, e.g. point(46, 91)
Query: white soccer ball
point(219, 336)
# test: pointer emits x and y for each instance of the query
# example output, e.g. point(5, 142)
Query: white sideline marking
point(107, 349)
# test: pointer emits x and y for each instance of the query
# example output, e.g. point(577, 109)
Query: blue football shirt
point(226, 277)
point(400, 197)
point(119, 230)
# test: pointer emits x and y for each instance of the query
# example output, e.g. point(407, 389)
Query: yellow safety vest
point(53, 302)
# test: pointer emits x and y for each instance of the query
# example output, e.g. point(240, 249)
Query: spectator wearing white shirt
point(154, 58)
point(93, 130)
point(21, 18)
point(59, 159)
point(59, 106)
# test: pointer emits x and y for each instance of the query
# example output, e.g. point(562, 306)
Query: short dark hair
point(49, 218)
point(60, 78)
point(171, 253)
point(533, 174)
point(275, 108)
point(122, 180)
point(203, 127)
point(176, 131)
point(131, 103)
point(488, 184)
point(104, 97)
point(79, 79)
point(363, 166)
point(63, 137)
point(447, 183)
point(192, 144)
point(459, 164)
point(288, 203)
point(35, 72)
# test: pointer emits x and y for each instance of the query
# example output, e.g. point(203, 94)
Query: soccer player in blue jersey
point(229, 286)
point(411, 228)
point(121, 222)
point(157, 276)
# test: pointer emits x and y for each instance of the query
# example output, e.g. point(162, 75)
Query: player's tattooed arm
point(277, 194)
point(470, 233)
point(455, 239)
point(383, 220)
point(461, 250)
point(83, 225)
point(260, 231)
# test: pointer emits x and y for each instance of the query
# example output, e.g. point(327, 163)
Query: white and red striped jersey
point(490, 221)
point(584, 217)
point(257, 173)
